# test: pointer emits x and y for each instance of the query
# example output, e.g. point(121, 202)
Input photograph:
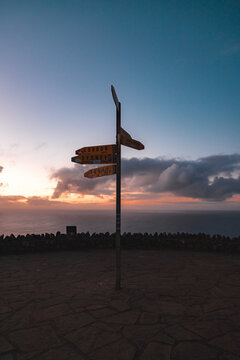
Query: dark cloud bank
point(211, 178)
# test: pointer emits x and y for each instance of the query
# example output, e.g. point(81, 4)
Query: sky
point(175, 68)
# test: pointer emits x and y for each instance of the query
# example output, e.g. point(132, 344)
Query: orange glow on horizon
point(235, 198)
point(129, 200)
point(162, 200)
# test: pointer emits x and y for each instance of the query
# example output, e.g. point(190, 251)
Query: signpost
point(110, 154)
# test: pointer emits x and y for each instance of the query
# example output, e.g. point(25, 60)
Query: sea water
point(50, 221)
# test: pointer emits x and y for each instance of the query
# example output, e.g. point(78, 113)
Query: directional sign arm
point(98, 154)
point(100, 171)
point(96, 149)
point(124, 133)
point(76, 159)
point(83, 159)
point(127, 140)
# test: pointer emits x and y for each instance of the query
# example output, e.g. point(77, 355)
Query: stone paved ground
point(173, 305)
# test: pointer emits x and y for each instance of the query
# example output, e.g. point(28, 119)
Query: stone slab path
point(173, 306)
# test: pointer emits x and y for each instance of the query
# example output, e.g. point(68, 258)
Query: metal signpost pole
point(110, 154)
point(118, 198)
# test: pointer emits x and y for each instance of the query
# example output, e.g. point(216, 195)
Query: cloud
point(71, 180)
point(31, 202)
point(209, 178)
point(11, 200)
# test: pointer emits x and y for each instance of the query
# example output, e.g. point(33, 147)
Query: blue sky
point(175, 67)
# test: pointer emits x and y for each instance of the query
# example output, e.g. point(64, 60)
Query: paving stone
point(179, 333)
point(216, 292)
point(156, 351)
point(224, 313)
point(16, 297)
point(108, 326)
point(208, 328)
point(193, 350)
point(82, 301)
point(78, 310)
point(5, 316)
point(230, 291)
point(148, 318)
point(5, 346)
point(216, 305)
point(149, 306)
point(48, 302)
point(96, 307)
point(193, 311)
point(34, 339)
point(91, 337)
point(7, 357)
point(227, 356)
point(125, 318)
point(229, 342)
point(4, 309)
point(162, 337)
point(62, 353)
point(140, 334)
point(120, 350)
point(140, 303)
point(18, 305)
point(171, 308)
point(51, 312)
point(18, 320)
point(196, 300)
point(100, 313)
point(68, 323)
point(26, 356)
point(170, 290)
point(119, 305)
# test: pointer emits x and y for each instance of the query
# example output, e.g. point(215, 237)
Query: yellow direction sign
point(76, 159)
point(101, 171)
point(127, 140)
point(94, 159)
point(98, 149)
point(100, 154)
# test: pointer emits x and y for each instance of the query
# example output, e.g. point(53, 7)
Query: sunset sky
point(175, 67)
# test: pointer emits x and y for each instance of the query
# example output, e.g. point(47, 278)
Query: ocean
point(50, 221)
